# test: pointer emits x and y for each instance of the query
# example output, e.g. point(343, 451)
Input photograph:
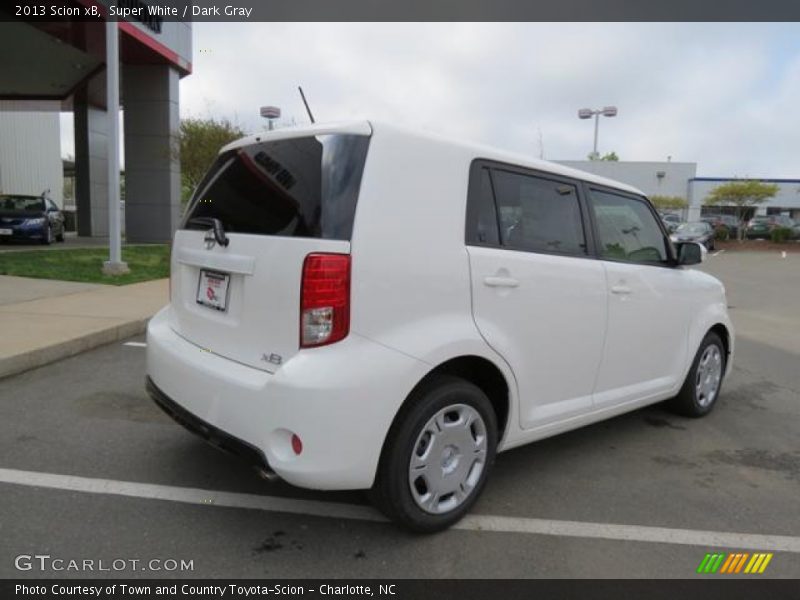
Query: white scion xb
point(356, 306)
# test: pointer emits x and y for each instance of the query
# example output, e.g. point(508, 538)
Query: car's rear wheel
point(701, 388)
point(438, 455)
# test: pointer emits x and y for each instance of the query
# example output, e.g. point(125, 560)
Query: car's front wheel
point(438, 455)
point(48, 236)
point(701, 388)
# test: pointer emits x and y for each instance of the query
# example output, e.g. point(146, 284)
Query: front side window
point(537, 214)
point(627, 229)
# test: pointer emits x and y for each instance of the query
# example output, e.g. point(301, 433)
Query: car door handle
point(621, 289)
point(501, 282)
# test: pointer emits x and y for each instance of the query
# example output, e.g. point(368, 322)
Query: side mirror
point(690, 253)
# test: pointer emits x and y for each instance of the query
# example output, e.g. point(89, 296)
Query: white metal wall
point(30, 152)
point(653, 178)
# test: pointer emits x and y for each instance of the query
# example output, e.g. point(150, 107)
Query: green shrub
point(722, 233)
point(780, 235)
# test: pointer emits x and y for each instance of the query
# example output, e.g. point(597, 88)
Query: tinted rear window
point(300, 187)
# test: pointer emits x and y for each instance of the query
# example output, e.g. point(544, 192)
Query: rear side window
point(300, 187)
point(486, 229)
point(524, 212)
point(627, 229)
point(537, 214)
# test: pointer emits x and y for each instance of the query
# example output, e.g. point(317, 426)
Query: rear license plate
point(6, 232)
point(212, 289)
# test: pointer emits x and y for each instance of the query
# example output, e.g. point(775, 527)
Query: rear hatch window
point(297, 187)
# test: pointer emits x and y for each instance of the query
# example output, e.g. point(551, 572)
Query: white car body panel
point(645, 304)
point(262, 317)
point(327, 397)
point(558, 297)
point(570, 349)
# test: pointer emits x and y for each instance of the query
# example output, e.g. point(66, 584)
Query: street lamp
point(270, 113)
point(588, 113)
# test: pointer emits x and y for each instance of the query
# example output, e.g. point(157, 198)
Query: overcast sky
point(726, 96)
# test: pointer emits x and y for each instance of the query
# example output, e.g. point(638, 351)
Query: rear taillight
point(324, 299)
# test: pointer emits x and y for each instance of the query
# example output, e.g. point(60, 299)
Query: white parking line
point(135, 344)
point(488, 523)
point(718, 252)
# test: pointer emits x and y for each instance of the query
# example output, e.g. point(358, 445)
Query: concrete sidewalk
point(63, 320)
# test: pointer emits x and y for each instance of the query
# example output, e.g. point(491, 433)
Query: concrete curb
point(39, 357)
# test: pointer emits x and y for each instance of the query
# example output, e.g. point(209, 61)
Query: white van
point(357, 306)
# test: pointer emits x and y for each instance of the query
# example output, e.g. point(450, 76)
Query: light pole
point(270, 113)
point(588, 113)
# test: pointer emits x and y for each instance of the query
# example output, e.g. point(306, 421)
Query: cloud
point(722, 95)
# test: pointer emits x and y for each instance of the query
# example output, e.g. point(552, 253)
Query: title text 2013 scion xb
point(361, 307)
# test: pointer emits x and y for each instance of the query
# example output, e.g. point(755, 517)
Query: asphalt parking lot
point(647, 494)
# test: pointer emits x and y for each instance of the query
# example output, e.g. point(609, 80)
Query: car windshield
point(692, 228)
point(21, 203)
point(761, 220)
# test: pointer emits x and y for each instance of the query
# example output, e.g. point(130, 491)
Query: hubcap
point(709, 374)
point(447, 459)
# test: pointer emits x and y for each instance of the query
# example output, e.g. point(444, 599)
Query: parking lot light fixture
point(270, 113)
point(588, 113)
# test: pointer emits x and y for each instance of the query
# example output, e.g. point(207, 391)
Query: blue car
point(30, 218)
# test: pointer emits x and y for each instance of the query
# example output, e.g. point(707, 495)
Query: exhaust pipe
point(268, 474)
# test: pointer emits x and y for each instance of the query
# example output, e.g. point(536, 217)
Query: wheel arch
point(725, 335)
point(483, 373)
point(713, 317)
point(479, 371)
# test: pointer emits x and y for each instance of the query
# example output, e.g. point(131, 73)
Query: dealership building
point(59, 66)
point(680, 179)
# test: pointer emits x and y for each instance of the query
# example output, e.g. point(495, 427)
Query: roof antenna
point(308, 110)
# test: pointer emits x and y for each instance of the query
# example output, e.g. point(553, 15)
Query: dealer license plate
point(212, 289)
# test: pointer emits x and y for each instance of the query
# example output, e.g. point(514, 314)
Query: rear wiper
point(216, 227)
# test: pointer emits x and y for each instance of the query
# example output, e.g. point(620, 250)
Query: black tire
point(392, 492)
point(48, 237)
point(60, 236)
point(690, 402)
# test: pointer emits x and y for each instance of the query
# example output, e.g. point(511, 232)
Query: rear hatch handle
point(216, 228)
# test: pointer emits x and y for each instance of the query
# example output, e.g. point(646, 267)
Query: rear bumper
point(215, 437)
point(339, 399)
